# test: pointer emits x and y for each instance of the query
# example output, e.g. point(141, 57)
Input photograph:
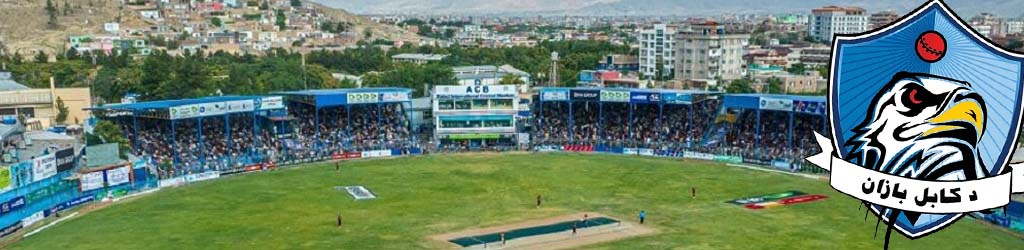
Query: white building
point(472, 117)
point(707, 51)
point(1014, 27)
point(657, 42)
point(418, 58)
point(826, 22)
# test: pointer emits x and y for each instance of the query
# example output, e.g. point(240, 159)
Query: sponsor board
point(629, 151)
point(584, 95)
point(9, 230)
point(698, 155)
point(644, 97)
point(645, 152)
point(171, 182)
point(240, 106)
point(394, 96)
point(674, 98)
point(375, 153)
point(202, 176)
point(72, 203)
point(118, 176)
point(12, 205)
point(728, 159)
point(65, 159)
point(614, 96)
point(757, 161)
point(359, 98)
point(43, 167)
point(810, 107)
point(32, 219)
point(91, 180)
point(776, 104)
point(554, 95)
point(270, 103)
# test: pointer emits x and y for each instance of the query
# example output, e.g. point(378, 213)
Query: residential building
point(877, 20)
point(826, 22)
point(39, 106)
point(658, 47)
point(487, 74)
point(418, 58)
point(707, 51)
point(619, 63)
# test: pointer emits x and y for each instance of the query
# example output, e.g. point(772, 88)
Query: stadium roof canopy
point(197, 107)
point(624, 95)
point(341, 97)
point(774, 102)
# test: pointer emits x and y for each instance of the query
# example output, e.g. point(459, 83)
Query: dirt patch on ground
point(559, 240)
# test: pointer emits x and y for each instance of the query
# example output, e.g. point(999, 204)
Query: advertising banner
point(614, 96)
point(645, 152)
point(728, 159)
point(32, 219)
point(72, 203)
point(183, 112)
point(240, 106)
point(65, 159)
point(554, 95)
point(270, 103)
point(698, 155)
point(43, 167)
point(584, 95)
point(645, 98)
point(674, 98)
point(12, 205)
point(776, 104)
point(756, 161)
point(216, 108)
point(629, 151)
point(394, 97)
point(202, 176)
point(9, 230)
point(91, 181)
point(810, 107)
point(118, 176)
point(359, 98)
point(171, 182)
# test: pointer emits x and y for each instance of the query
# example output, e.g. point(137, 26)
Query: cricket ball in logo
point(924, 114)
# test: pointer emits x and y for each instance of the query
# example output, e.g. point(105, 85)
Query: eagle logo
point(925, 98)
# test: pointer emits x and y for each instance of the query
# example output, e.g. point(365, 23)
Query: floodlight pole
point(757, 130)
point(572, 124)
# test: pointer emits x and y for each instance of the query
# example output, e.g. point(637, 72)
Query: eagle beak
point(964, 115)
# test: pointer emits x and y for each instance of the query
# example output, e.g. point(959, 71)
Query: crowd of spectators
point(366, 127)
point(612, 124)
point(773, 140)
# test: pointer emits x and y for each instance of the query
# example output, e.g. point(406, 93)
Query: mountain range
point(967, 8)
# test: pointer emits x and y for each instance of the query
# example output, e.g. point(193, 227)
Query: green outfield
point(418, 197)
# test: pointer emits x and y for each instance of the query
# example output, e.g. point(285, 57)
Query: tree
point(216, 21)
point(367, 33)
point(511, 79)
point(1016, 45)
point(62, 112)
point(108, 132)
point(296, 3)
point(67, 8)
point(41, 57)
point(739, 86)
point(281, 21)
point(51, 10)
point(774, 86)
point(265, 5)
point(797, 69)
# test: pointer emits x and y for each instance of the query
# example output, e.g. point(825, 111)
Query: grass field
point(423, 196)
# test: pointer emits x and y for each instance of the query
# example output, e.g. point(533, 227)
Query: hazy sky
point(1011, 8)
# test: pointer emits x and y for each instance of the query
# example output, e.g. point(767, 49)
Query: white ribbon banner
point(934, 197)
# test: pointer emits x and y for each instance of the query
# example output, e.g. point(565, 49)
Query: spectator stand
point(638, 116)
point(374, 120)
point(151, 125)
point(806, 112)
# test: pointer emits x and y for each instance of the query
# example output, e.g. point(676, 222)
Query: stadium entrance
point(475, 117)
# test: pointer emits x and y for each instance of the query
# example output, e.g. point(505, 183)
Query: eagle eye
point(915, 97)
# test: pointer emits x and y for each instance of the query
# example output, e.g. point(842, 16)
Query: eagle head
point(922, 126)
